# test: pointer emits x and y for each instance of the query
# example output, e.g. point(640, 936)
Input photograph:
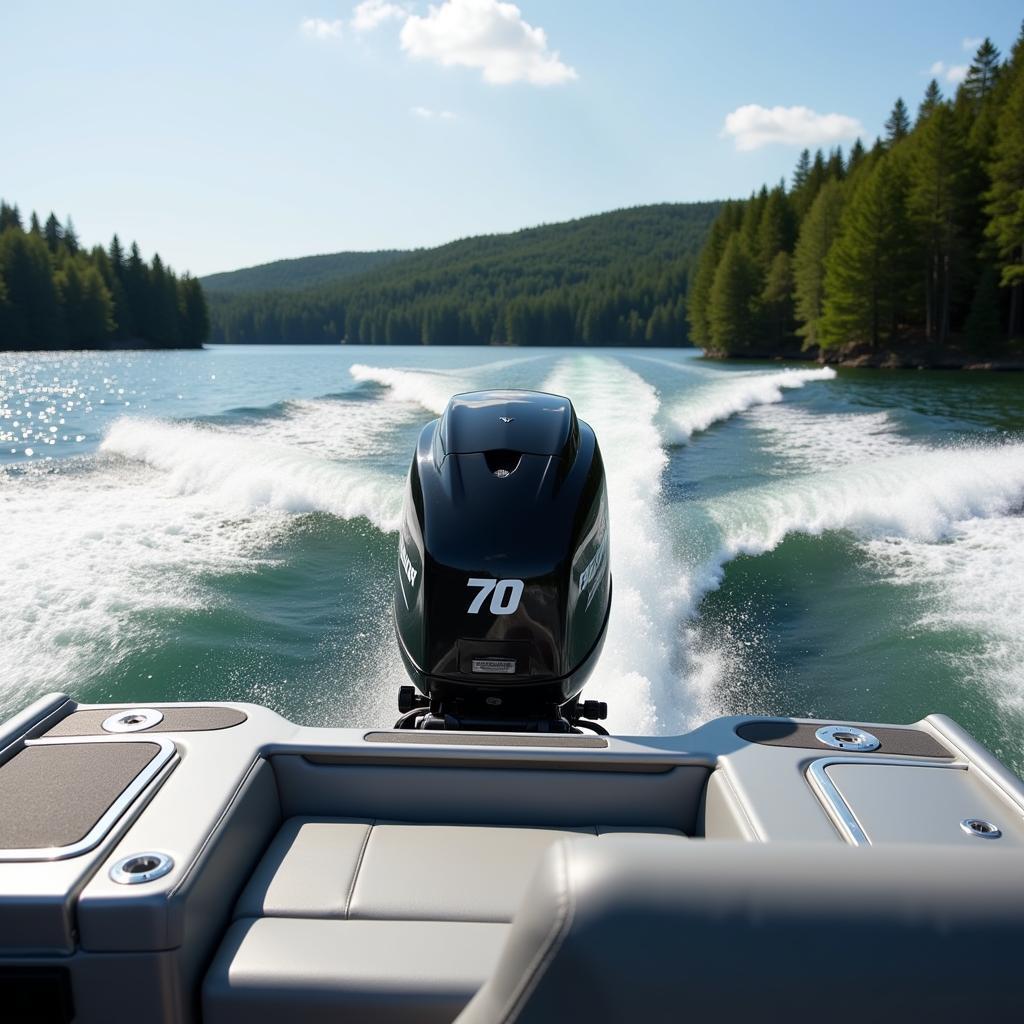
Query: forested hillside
point(56, 294)
point(617, 278)
point(297, 274)
point(912, 251)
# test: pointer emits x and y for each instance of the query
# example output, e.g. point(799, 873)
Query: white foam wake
point(90, 557)
point(91, 554)
point(431, 389)
point(920, 495)
point(242, 474)
point(801, 440)
point(428, 388)
point(715, 400)
point(637, 674)
point(920, 505)
point(339, 428)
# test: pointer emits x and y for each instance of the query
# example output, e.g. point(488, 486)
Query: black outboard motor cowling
point(503, 588)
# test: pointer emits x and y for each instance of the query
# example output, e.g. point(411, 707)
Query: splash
point(973, 581)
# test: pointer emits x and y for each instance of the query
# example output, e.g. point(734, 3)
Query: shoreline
point(884, 360)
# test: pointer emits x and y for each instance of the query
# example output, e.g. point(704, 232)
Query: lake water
point(220, 524)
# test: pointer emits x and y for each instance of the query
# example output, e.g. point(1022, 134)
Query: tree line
point(56, 294)
point(917, 242)
point(618, 278)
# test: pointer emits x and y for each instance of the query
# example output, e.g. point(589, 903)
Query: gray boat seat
point(358, 920)
point(627, 931)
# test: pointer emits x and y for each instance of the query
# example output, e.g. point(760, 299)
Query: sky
point(227, 134)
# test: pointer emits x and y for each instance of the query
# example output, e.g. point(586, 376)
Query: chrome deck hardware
point(141, 867)
point(847, 737)
point(133, 720)
point(981, 828)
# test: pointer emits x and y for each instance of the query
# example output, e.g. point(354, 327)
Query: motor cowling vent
point(502, 462)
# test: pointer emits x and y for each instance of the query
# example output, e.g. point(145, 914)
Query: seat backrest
point(632, 929)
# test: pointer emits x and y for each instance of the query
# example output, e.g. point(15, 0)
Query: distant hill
point(304, 272)
point(616, 278)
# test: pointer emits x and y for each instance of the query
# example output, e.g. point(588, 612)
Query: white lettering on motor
point(403, 556)
point(505, 595)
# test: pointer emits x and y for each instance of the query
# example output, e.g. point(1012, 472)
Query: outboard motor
point(503, 588)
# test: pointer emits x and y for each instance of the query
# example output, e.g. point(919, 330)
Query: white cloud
point(485, 34)
point(754, 126)
point(953, 73)
point(971, 43)
point(367, 15)
point(428, 115)
point(321, 28)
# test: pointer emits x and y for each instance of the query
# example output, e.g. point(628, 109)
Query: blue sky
point(228, 134)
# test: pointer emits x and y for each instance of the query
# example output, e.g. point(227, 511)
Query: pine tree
point(700, 293)
point(776, 230)
point(117, 257)
point(897, 127)
point(937, 204)
point(817, 233)
point(192, 305)
point(775, 305)
point(867, 272)
point(983, 73)
point(856, 157)
point(802, 171)
point(33, 316)
point(753, 211)
point(34, 228)
point(9, 217)
point(1005, 199)
point(817, 177)
point(163, 297)
point(932, 98)
point(836, 166)
point(137, 294)
point(85, 301)
point(69, 236)
point(730, 311)
point(53, 233)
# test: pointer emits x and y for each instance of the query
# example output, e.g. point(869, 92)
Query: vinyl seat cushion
point(383, 921)
point(270, 970)
point(363, 870)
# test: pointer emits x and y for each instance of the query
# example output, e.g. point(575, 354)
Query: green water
point(219, 524)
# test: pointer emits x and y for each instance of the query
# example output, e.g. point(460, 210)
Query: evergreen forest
point(56, 294)
point(914, 246)
point(616, 278)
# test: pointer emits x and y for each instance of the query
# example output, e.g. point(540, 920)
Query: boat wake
point(799, 440)
point(135, 532)
point(931, 517)
point(721, 395)
point(431, 389)
point(242, 474)
point(973, 581)
point(637, 674)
